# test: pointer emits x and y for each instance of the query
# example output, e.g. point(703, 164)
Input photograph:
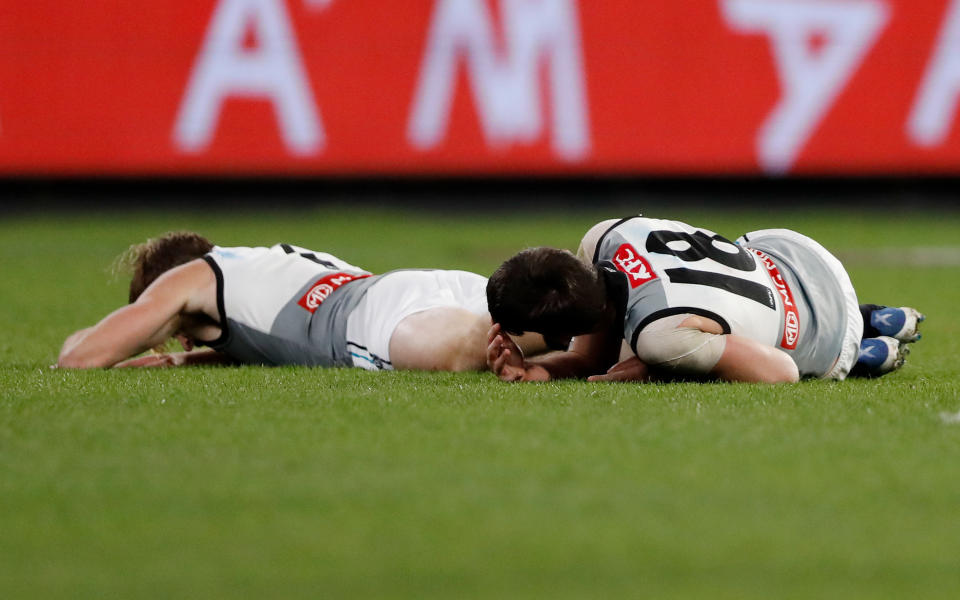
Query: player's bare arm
point(156, 316)
point(749, 361)
point(629, 369)
point(587, 355)
point(744, 359)
point(693, 346)
point(177, 359)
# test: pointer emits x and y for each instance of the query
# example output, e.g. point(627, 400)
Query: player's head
point(548, 291)
point(156, 256)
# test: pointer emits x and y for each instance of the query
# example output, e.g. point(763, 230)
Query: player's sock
point(879, 356)
point(900, 323)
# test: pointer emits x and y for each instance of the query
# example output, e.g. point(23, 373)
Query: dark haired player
point(286, 305)
point(686, 303)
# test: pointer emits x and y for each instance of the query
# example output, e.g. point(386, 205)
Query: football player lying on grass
point(686, 303)
point(286, 305)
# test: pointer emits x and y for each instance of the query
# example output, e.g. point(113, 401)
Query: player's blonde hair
point(154, 257)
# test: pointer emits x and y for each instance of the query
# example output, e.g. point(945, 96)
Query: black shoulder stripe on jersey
point(318, 260)
point(677, 310)
point(224, 327)
point(596, 251)
point(309, 256)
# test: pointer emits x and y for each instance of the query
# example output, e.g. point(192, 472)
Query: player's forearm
point(748, 361)
point(205, 357)
point(177, 359)
point(125, 332)
point(73, 340)
point(106, 344)
point(81, 352)
point(84, 353)
point(564, 365)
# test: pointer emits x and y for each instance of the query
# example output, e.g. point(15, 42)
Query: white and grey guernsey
point(285, 305)
point(776, 289)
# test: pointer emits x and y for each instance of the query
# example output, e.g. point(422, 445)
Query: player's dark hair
point(548, 291)
point(156, 256)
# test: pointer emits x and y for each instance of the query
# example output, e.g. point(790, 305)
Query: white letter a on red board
point(273, 70)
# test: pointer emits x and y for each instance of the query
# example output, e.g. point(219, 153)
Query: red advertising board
point(238, 87)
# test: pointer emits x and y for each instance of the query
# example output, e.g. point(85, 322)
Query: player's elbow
point(74, 358)
point(778, 367)
point(71, 362)
point(68, 361)
point(783, 371)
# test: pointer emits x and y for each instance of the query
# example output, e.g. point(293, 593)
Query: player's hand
point(629, 369)
point(505, 359)
point(152, 360)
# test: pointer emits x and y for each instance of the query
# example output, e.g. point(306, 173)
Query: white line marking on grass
point(921, 256)
point(950, 418)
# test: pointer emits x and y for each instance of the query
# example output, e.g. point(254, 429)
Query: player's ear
point(185, 342)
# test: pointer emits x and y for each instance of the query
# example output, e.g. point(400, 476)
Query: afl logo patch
point(629, 261)
point(322, 289)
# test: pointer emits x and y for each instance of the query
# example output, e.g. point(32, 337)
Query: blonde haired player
point(286, 305)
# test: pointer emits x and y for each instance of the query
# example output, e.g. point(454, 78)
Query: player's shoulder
point(600, 228)
point(221, 253)
point(183, 281)
point(588, 244)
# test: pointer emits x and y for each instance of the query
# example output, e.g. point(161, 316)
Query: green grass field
point(309, 483)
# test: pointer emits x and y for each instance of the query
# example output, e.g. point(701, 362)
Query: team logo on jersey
point(638, 270)
point(322, 289)
point(791, 330)
point(791, 315)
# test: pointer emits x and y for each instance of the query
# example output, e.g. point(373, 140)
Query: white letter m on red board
point(505, 85)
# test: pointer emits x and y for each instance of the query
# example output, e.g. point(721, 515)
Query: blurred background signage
point(468, 87)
